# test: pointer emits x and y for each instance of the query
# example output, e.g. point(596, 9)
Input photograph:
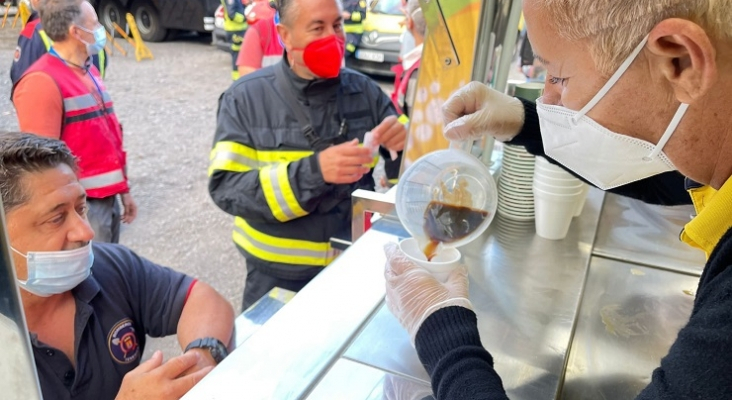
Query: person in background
point(286, 154)
point(235, 24)
point(62, 96)
point(87, 330)
point(262, 46)
point(650, 100)
point(33, 42)
point(354, 12)
point(406, 40)
point(406, 73)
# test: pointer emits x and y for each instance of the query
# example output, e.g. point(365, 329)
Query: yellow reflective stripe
point(279, 194)
point(102, 69)
point(46, 40)
point(281, 250)
point(353, 28)
point(236, 157)
point(403, 119)
point(356, 16)
point(232, 157)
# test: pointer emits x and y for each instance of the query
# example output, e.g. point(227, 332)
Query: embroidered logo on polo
point(122, 342)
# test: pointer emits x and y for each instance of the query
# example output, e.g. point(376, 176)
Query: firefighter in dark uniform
point(287, 153)
point(33, 43)
point(354, 12)
point(235, 24)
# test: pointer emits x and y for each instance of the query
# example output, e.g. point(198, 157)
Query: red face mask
point(324, 57)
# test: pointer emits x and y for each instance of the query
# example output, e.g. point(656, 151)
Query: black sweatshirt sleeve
point(448, 344)
point(664, 189)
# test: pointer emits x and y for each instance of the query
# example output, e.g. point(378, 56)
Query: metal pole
point(494, 50)
point(18, 375)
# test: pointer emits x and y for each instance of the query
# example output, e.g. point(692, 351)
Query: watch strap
point(214, 346)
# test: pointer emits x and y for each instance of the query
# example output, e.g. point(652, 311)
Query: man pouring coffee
point(635, 89)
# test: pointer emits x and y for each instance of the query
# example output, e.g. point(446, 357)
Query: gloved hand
point(476, 110)
point(413, 294)
point(398, 388)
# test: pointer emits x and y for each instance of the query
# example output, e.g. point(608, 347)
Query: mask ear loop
point(669, 132)
point(611, 82)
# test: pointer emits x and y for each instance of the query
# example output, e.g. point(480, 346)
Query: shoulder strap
point(288, 94)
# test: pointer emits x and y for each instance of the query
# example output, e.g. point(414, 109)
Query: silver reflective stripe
point(107, 98)
point(231, 156)
point(278, 193)
point(80, 103)
point(325, 255)
point(103, 180)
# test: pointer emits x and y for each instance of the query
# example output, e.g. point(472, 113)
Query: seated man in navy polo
point(89, 306)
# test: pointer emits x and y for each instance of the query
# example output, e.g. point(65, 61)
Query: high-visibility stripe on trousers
point(281, 250)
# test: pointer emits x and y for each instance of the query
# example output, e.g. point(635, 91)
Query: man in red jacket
point(62, 96)
point(33, 42)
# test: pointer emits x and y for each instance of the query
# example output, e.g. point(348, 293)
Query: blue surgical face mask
point(56, 272)
point(100, 40)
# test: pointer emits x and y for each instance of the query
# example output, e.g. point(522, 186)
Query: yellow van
point(379, 48)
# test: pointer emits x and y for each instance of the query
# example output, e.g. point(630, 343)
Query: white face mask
point(55, 272)
point(601, 156)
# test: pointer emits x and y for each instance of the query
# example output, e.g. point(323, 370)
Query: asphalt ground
point(167, 106)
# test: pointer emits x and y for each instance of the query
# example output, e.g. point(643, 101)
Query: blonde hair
point(613, 28)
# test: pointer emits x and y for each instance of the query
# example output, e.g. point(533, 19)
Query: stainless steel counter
point(561, 320)
point(629, 318)
point(640, 233)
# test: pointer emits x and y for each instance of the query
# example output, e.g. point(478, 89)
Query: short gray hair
point(414, 12)
point(57, 16)
point(22, 154)
point(288, 9)
point(613, 28)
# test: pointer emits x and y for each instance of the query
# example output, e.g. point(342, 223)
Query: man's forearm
point(206, 314)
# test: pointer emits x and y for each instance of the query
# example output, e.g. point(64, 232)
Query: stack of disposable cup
point(515, 196)
point(558, 197)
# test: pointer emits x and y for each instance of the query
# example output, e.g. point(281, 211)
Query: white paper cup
point(554, 213)
point(560, 190)
point(581, 202)
point(442, 264)
point(544, 180)
point(554, 173)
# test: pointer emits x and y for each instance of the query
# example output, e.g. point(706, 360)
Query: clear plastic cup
point(451, 177)
point(442, 264)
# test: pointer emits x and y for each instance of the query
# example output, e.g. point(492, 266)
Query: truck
point(158, 20)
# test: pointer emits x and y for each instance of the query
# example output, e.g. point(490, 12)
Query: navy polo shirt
point(125, 298)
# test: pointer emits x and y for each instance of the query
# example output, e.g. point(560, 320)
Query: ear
point(285, 36)
point(410, 24)
point(686, 57)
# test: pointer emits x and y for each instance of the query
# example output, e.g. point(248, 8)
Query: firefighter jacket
point(266, 173)
point(234, 18)
point(357, 8)
point(33, 43)
point(90, 129)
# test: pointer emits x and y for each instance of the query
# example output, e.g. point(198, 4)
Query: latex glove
point(413, 294)
point(476, 110)
point(398, 388)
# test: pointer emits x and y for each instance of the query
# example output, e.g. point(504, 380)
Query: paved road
point(167, 106)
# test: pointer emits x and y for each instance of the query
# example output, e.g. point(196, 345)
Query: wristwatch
point(213, 345)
